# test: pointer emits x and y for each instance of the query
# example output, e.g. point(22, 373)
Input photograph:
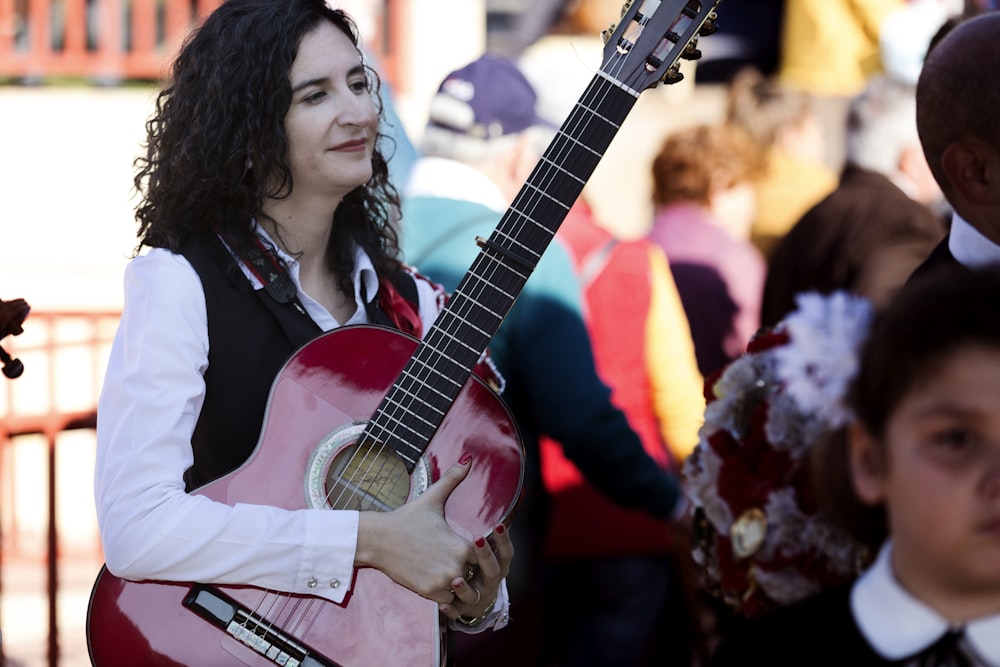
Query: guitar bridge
point(252, 631)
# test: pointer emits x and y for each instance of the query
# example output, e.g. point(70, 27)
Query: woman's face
point(939, 477)
point(332, 122)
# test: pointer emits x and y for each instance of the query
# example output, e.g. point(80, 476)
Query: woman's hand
point(416, 547)
point(474, 598)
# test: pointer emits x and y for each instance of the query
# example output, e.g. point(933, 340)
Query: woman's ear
point(867, 464)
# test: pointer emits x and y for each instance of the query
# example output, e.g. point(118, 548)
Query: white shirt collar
point(364, 279)
point(968, 245)
point(897, 624)
point(451, 179)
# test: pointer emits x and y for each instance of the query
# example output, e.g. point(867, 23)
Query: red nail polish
point(466, 457)
point(500, 529)
point(480, 542)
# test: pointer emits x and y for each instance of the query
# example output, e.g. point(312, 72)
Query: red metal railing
point(64, 354)
point(108, 41)
point(105, 40)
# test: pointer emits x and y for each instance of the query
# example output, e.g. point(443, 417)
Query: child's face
point(940, 481)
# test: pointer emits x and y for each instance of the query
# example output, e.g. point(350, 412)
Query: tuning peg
point(627, 6)
point(710, 26)
point(672, 75)
point(606, 34)
point(691, 52)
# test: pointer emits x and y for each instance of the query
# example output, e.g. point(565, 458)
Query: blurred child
point(922, 466)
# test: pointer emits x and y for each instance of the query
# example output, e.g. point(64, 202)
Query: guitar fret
point(594, 113)
point(491, 286)
point(407, 411)
point(453, 337)
point(577, 144)
point(421, 435)
point(427, 365)
point(561, 170)
point(483, 310)
point(526, 217)
point(493, 259)
point(619, 84)
point(547, 196)
point(422, 384)
point(380, 432)
point(459, 323)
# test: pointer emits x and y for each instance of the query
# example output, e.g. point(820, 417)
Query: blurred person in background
point(639, 609)
point(785, 125)
point(907, 32)
point(829, 49)
point(880, 223)
point(705, 201)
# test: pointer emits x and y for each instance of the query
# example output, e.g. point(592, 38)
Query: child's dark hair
point(929, 319)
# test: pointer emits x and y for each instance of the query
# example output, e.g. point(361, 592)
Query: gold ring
point(479, 596)
point(470, 572)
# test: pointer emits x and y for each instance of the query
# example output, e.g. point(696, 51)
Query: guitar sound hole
point(367, 477)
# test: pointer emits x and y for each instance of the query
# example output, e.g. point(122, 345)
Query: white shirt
point(151, 398)
point(451, 179)
point(897, 624)
point(969, 246)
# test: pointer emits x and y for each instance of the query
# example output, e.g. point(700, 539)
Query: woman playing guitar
point(266, 212)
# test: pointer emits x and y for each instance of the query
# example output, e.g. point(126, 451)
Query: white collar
point(897, 624)
point(364, 279)
point(968, 245)
point(451, 179)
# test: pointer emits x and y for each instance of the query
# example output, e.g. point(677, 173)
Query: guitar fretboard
point(640, 51)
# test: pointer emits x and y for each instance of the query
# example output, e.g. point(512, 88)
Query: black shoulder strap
point(278, 296)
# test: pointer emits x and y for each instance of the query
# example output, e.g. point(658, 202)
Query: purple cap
point(487, 98)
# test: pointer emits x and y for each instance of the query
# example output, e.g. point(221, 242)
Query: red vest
point(583, 523)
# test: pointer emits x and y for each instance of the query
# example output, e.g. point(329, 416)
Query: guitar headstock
point(646, 46)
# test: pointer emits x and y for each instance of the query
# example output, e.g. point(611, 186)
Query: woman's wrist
point(471, 622)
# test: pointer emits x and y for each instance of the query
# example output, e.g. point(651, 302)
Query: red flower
point(766, 339)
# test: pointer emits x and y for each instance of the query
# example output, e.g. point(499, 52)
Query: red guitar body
point(316, 410)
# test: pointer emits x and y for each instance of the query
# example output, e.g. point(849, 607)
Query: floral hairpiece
point(761, 540)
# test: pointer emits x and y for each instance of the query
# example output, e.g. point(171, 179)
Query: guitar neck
point(454, 344)
point(641, 51)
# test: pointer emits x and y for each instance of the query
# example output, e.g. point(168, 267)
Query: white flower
point(701, 473)
point(786, 586)
point(821, 359)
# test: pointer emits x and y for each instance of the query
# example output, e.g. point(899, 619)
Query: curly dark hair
point(216, 147)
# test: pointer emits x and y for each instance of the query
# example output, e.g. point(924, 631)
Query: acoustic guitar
point(366, 418)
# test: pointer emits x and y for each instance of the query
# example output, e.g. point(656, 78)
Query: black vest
point(250, 337)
